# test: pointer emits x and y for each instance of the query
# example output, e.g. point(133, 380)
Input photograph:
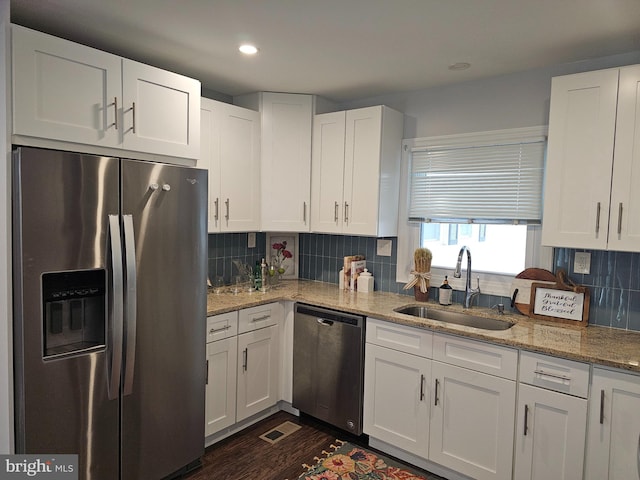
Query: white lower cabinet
point(473, 411)
point(243, 364)
point(551, 419)
point(396, 407)
point(613, 441)
point(222, 353)
point(258, 382)
point(444, 399)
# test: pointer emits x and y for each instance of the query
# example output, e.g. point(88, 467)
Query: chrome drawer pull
point(554, 375)
point(258, 319)
point(601, 407)
point(598, 218)
point(526, 419)
point(436, 394)
point(421, 387)
point(620, 218)
point(216, 330)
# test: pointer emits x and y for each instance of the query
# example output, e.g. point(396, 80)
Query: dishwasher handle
point(328, 317)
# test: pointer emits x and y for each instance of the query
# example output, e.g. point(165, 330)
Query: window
point(494, 248)
point(466, 205)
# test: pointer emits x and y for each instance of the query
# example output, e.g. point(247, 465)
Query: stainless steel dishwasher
point(328, 366)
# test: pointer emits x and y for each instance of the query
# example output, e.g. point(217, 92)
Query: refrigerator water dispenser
point(74, 311)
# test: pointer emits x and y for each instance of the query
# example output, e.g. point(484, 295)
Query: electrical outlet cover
point(582, 263)
point(251, 240)
point(384, 247)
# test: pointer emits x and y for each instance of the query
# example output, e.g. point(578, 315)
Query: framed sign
point(560, 303)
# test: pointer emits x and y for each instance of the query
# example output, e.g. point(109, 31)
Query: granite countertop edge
point(604, 346)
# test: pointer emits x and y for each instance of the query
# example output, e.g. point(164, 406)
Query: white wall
point(6, 351)
point(506, 101)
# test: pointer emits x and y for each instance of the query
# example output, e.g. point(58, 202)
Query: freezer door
point(62, 339)
point(164, 379)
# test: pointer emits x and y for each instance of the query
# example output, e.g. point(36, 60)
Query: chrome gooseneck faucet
point(469, 293)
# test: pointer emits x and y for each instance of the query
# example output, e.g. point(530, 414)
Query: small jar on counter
point(365, 282)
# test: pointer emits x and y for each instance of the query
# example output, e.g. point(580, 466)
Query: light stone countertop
point(600, 345)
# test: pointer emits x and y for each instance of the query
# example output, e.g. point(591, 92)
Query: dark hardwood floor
point(245, 456)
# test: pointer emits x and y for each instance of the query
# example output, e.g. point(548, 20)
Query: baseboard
point(416, 461)
point(247, 422)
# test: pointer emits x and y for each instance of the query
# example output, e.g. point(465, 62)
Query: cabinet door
point(257, 371)
point(396, 398)
point(550, 436)
point(613, 441)
point(362, 170)
point(327, 208)
point(579, 159)
point(624, 229)
point(207, 161)
point(220, 406)
point(472, 422)
point(286, 162)
point(160, 111)
point(238, 144)
point(63, 90)
point(230, 150)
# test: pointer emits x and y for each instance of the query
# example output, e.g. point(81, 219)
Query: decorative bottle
point(445, 292)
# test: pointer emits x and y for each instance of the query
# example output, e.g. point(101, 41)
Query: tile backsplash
point(614, 280)
point(614, 285)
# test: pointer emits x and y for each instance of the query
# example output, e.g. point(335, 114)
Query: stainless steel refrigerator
point(110, 259)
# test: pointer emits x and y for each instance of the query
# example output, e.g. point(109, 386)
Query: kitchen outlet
point(251, 240)
point(384, 247)
point(582, 263)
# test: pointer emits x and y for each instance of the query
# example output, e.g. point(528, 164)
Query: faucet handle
point(478, 283)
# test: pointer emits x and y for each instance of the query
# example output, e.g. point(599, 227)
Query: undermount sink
point(458, 318)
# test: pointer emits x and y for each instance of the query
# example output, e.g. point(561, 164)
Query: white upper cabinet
point(63, 90)
point(355, 174)
point(160, 111)
point(230, 150)
point(589, 202)
point(285, 158)
point(67, 92)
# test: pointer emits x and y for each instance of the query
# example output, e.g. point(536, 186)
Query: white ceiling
point(341, 49)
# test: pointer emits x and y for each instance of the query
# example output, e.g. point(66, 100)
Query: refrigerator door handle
point(130, 303)
point(116, 307)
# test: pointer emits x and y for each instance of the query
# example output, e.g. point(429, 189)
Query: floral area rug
point(350, 462)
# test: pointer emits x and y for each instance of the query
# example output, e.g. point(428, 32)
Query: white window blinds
point(492, 177)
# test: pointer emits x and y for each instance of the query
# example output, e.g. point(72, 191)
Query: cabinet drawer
point(399, 337)
point(552, 373)
point(222, 326)
point(478, 356)
point(258, 317)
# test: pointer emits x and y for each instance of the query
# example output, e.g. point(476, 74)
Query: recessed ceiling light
point(459, 66)
point(248, 49)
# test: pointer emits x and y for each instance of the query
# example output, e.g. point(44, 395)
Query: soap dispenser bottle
point(445, 292)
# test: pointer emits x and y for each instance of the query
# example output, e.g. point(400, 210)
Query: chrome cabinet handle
point(335, 213)
point(421, 387)
point(216, 216)
point(620, 218)
point(598, 218)
point(258, 319)
point(116, 307)
point(304, 212)
point(227, 206)
point(346, 212)
point(245, 359)
point(115, 111)
point(436, 394)
point(601, 407)
point(206, 379)
point(216, 330)
point(130, 302)
point(133, 111)
point(553, 375)
point(526, 419)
